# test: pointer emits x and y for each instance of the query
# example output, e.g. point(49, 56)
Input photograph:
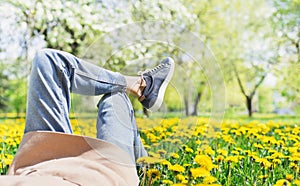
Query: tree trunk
point(145, 111)
point(249, 105)
point(186, 105)
point(195, 107)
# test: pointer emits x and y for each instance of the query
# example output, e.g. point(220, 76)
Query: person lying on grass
point(50, 154)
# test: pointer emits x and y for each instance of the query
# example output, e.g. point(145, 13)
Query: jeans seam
point(60, 76)
point(96, 79)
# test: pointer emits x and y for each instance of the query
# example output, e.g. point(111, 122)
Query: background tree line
point(256, 44)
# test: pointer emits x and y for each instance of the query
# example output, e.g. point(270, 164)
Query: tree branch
point(258, 84)
point(239, 80)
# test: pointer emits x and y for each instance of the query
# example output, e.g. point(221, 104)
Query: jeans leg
point(116, 124)
point(53, 76)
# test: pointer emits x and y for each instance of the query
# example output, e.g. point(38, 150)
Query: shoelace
point(140, 73)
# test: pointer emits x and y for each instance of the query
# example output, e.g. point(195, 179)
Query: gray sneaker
point(157, 80)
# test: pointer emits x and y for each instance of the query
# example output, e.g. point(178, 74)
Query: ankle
point(136, 87)
point(142, 85)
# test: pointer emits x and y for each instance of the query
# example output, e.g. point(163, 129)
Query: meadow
point(189, 151)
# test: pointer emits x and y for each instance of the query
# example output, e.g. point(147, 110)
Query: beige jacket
point(48, 158)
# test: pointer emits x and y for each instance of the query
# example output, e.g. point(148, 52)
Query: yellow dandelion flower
point(282, 182)
point(167, 182)
point(289, 177)
point(174, 155)
point(294, 166)
point(297, 154)
point(276, 161)
point(143, 141)
point(219, 158)
point(162, 152)
point(238, 149)
point(272, 151)
point(228, 139)
point(177, 168)
point(153, 173)
point(235, 152)
point(209, 151)
point(277, 155)
point(222, 152)
point(263, 176)
point(165, 162)
point(7, 161)
point(184, 181)
point(240, 157)
point(209, 180)
point(198, 142)
point(264, 162)
point(249, 153)
point(187, 164)
point(232, 159)
point(199, 172)
point(189, 150)
point(180, 177)
point(153, 154)
point(259, 146)
point(297, 182)
point(254, 157)
point(295, 159)
point(147, 146)
point(148, 160)
point(179, 184)
point(204, 161)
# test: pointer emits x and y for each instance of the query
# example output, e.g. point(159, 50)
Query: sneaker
point(157, 80)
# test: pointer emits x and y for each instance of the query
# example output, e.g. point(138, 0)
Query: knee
point(114, 109)
point(45, 59)
point(41, 58)
point(116, 100)
point(42, 53)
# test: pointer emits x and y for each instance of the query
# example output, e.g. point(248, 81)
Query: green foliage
point(289, 82)
point(4, 85)
point(265, 100)
point(17, 95)
point(297, 110)
point(286, 22)
point(64, 25)
point(173, 100)
point(137, 106)
point(254, 37)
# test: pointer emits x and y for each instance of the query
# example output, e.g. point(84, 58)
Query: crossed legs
point(55, 74)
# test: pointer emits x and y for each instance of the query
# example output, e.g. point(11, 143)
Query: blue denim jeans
point(55, 74)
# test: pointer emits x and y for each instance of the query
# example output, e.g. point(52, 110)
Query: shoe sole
point(163, 87)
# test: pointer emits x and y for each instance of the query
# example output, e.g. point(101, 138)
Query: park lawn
point(186, 151)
